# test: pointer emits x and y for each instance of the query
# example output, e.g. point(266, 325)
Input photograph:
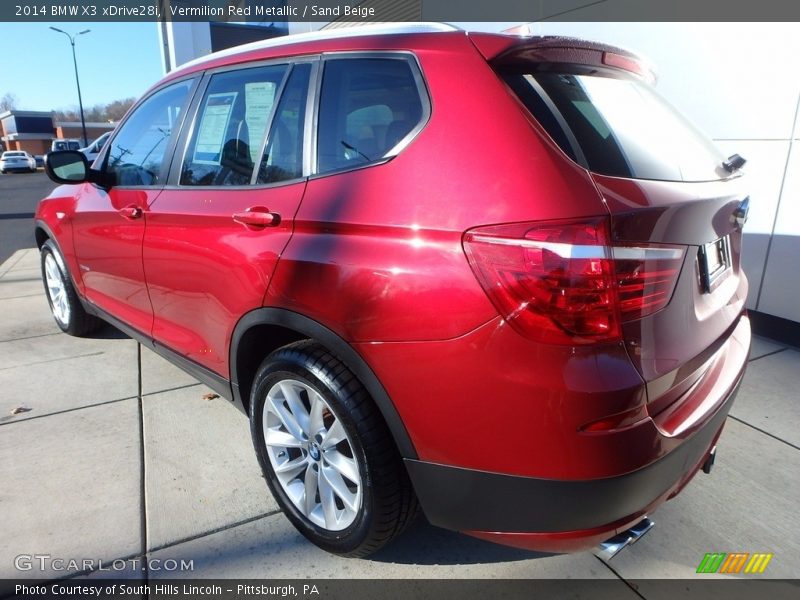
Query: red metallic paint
point(376, 256)
point(508, 401)
point(108, 251)
point(670, 347)
point(56, 211)
point(204, 270)
point(585, 539)
point(391, 243)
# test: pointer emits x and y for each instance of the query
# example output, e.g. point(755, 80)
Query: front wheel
point(67, 309)
point(326, 453)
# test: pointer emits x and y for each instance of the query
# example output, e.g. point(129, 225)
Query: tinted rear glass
point(616, 125)
point(367, 107)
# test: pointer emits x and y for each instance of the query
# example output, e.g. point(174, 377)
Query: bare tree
point(113, 111)
point(8, 102)
point(117, 109)
point(66, 114)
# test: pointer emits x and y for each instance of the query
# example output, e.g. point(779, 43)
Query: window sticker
point(259, 97)
point(213, 125)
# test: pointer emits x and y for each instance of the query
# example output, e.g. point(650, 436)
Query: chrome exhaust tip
point(709, 463)
point(613, 546)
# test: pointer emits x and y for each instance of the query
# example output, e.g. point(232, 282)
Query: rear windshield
point(616, 125)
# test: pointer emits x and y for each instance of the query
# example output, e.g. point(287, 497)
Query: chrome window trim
point(423, 92)
point(310, 123)
point(220, 188)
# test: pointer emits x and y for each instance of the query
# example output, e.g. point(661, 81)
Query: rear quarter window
point(367, 107)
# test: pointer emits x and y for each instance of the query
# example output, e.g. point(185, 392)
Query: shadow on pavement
point(107, 332)
point(424, 544)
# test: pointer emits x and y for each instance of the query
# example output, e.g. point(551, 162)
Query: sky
point(115, 61)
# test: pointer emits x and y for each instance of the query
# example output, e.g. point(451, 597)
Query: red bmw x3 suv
point(493, 278)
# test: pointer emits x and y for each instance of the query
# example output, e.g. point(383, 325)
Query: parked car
point(93, 150)
point(17, 160)
point(39, 158)
point(494, 277)
point(64, 144)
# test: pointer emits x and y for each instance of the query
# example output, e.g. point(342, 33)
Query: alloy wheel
point(312, 455)
point(57, 290)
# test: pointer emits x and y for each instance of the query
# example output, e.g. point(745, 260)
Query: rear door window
point(368, 106)
point(230, 126)
point(617, 125)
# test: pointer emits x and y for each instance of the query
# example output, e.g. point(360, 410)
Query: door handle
point(131, 212)
point(257, 217)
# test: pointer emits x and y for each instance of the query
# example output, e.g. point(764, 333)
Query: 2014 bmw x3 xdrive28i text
point(495, 278)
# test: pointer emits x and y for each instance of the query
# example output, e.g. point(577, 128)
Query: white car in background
point(92, 150)
point(17, 160)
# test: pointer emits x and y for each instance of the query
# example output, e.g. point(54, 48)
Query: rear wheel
point(326, 452)
point(67, 309)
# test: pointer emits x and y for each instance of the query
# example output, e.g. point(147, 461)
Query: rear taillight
point(564, 283)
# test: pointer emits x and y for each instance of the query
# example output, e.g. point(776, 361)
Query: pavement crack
point(621, 578)
point(68, 410)
point(198, 536)
point(172, 389)
point(50, 360)
point(772, 435)
point(773, 353)
point(143, 467)
point(30, 337)
point(18, 297)
point(12, 265)
point(144, 556)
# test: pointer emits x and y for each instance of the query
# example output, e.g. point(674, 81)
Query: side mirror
point(70, 166)
point(66, 166)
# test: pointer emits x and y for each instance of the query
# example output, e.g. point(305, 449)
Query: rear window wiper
point(733, 163)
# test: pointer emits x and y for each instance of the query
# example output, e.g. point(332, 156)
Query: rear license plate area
point(715, 263)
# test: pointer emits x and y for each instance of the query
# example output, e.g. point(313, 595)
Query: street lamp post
point(77, 81)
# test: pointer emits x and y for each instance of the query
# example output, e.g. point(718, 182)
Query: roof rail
point(327, 34)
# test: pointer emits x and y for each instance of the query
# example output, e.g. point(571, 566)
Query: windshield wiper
point(733, 163)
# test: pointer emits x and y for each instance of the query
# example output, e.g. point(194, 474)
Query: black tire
point(76, 321)
point(388, 504)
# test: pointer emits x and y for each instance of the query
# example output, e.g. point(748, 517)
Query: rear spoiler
point(507, 50)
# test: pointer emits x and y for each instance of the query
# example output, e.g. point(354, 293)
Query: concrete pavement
point(119, 456)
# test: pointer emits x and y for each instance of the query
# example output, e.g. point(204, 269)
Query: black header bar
point(364, 11)
point(700, 587)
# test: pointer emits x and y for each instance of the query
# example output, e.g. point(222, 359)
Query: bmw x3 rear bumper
point(570, 515)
